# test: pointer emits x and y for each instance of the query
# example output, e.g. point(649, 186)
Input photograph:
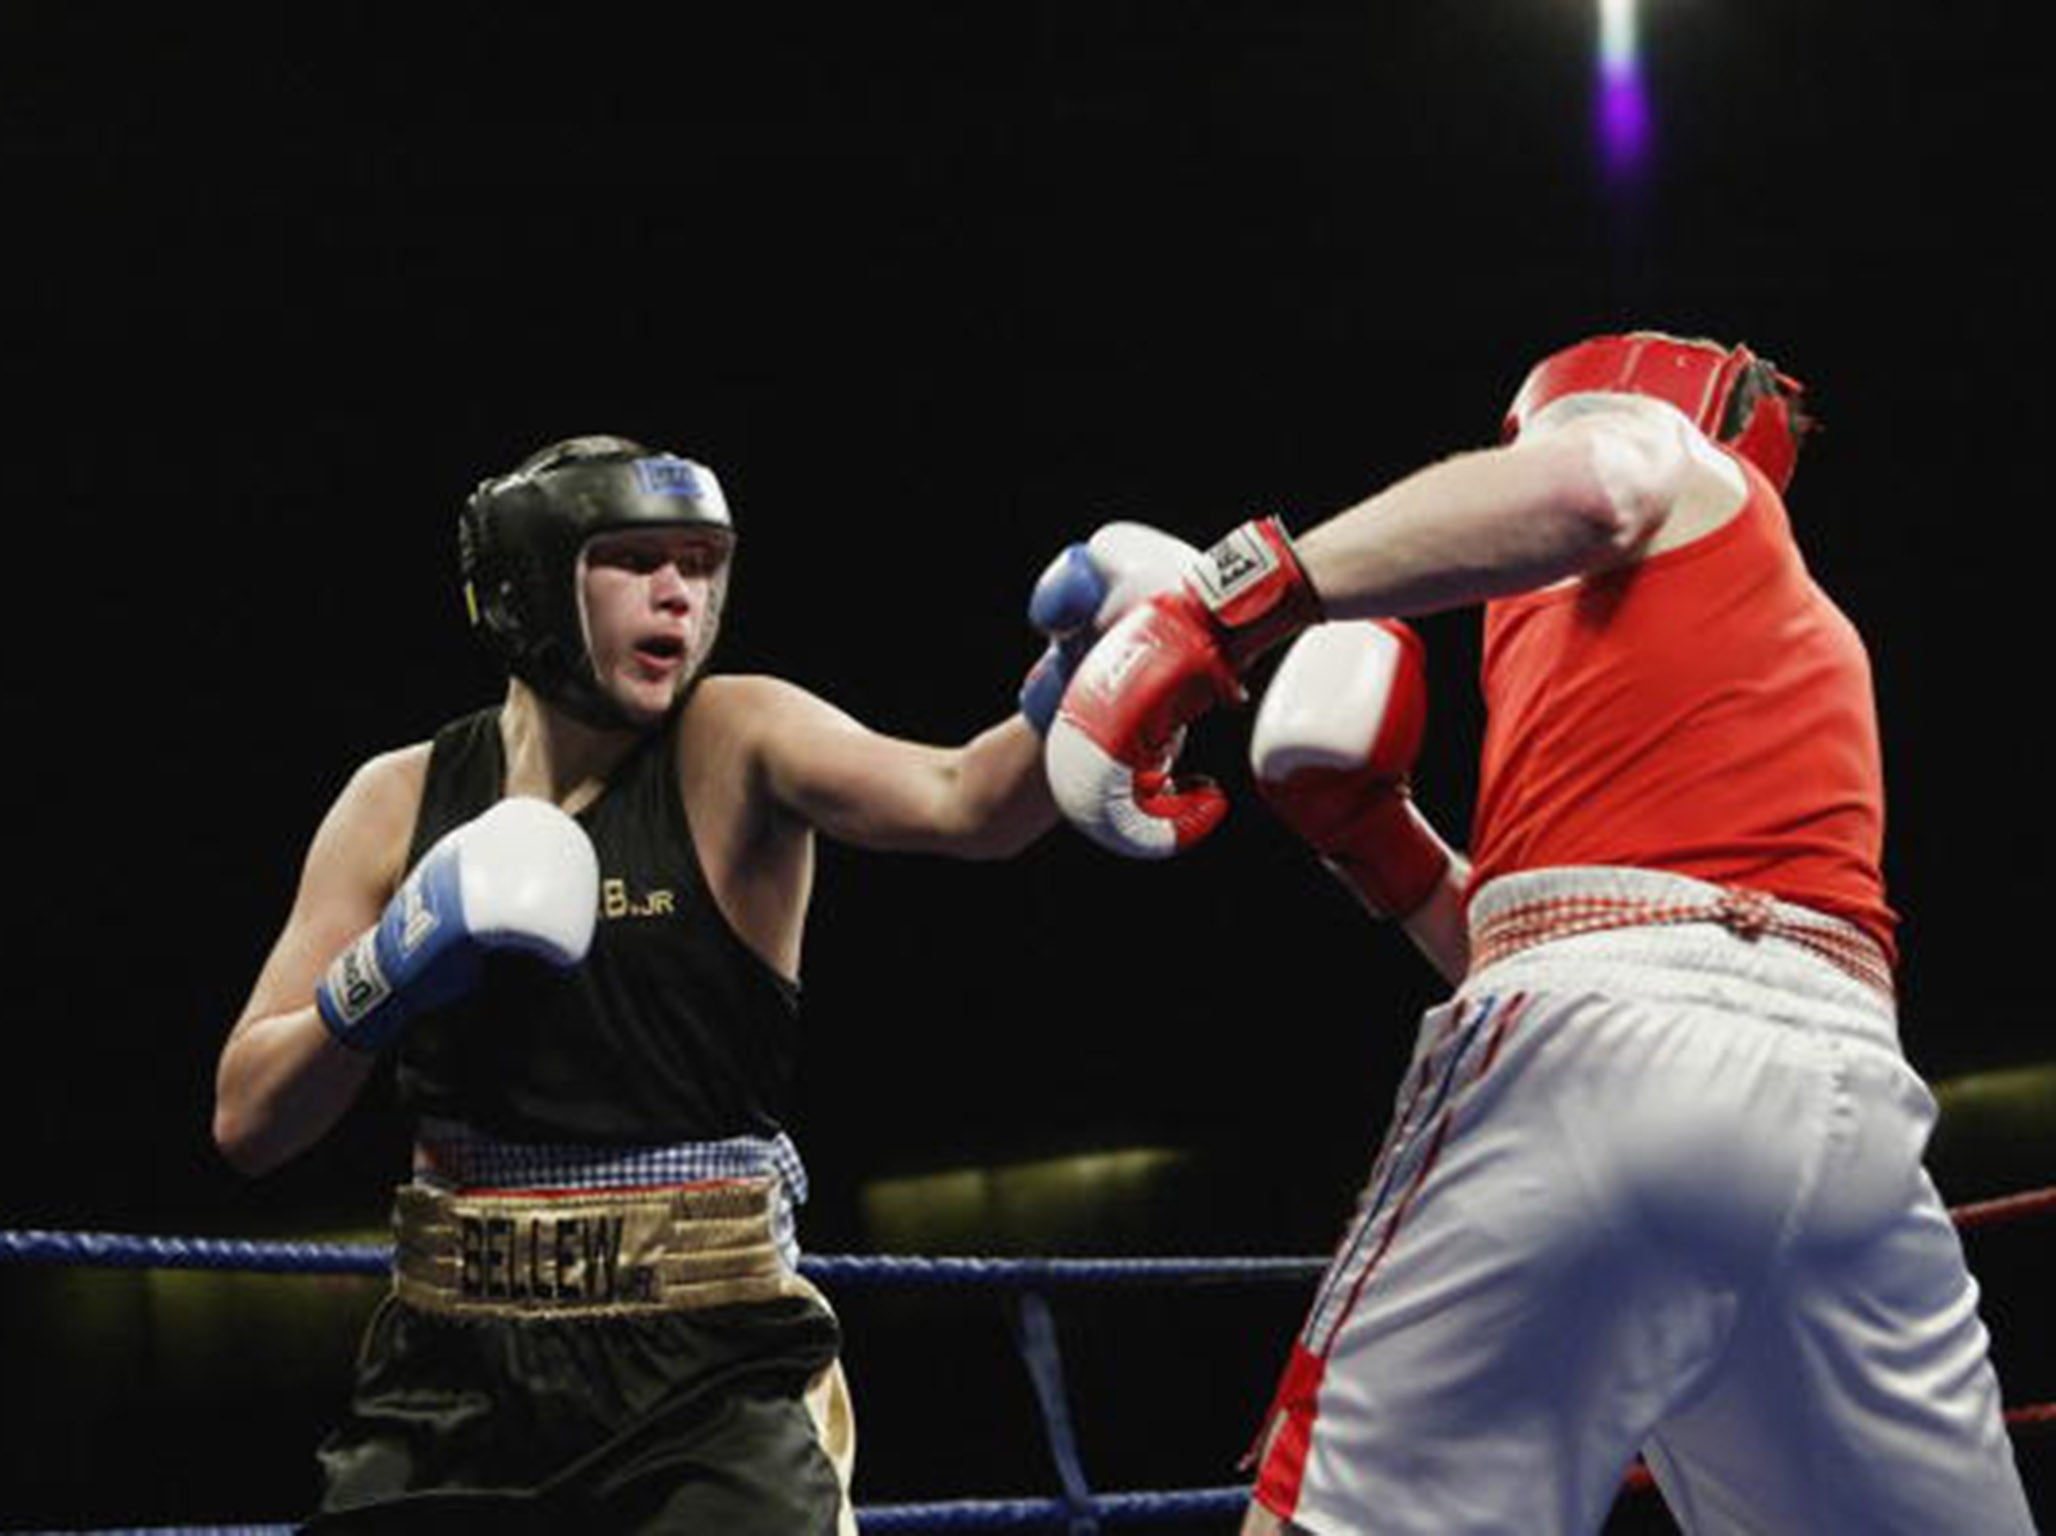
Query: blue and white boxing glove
point(1083, 591)
point(522, 876)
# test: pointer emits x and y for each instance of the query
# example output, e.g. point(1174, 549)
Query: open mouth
point(661, 649)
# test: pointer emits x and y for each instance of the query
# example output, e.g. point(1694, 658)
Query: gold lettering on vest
point(616, 901)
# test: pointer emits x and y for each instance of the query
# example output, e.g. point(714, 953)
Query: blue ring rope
point(891, 1519)
point(116, 1250)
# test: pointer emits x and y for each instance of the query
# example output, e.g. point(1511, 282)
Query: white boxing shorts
point(1656, 1189)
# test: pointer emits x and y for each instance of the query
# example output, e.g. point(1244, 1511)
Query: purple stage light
point(1623, 121)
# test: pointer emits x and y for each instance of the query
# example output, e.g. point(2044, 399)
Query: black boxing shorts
point(634, 1361)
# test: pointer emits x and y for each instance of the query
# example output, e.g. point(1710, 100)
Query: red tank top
point(1706, 711)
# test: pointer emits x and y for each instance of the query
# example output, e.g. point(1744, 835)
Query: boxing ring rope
point(1078, 1509)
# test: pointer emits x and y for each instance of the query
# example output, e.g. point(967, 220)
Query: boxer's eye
point(700, 560)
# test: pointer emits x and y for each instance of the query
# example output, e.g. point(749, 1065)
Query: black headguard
point(521, 536)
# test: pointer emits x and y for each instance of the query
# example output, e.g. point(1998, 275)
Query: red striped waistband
point(1748, 914)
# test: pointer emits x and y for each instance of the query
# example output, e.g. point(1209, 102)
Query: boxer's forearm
point(1439, 928)
point(985, 798)
point(282, 1083)
point(1003, 793)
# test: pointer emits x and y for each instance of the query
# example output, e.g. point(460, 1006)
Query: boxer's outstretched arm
point(1612, 478)
point(1595, 491)
point(986, 798)
point(283, 1079)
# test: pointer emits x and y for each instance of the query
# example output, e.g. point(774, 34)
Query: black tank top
point(672, 1029)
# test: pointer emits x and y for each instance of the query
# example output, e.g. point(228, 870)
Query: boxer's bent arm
point(988, 798)
point(283, 1081)
point(1439, 928)
point(1487, 524)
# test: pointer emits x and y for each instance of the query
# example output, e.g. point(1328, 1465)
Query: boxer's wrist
point(1255, 590)
point(356, 997)
point(1391, 855)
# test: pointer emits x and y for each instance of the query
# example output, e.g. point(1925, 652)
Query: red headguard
point(1731, 394)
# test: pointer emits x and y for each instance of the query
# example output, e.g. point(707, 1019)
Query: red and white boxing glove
point(1336, 736)
point(1117, 733)
point(1083, 591)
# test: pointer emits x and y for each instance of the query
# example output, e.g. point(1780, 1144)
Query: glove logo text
point(1109, 679)
point(418, 920)
point(356, 983)
point(1236, 562)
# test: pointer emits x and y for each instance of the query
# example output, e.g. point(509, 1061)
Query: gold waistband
point(588, 1252)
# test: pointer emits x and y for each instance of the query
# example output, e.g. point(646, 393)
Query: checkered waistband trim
point(1748, 914)
point(454, 1157)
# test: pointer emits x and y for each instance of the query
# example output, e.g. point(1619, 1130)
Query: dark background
point(935, 290)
